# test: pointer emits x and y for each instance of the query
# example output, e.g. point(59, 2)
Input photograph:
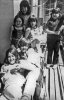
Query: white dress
point(13, 82)
point(37, 33)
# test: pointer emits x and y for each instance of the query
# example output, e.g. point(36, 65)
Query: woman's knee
point(34, 74)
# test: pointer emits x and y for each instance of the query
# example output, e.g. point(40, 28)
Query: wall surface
point(6, 19)
point(16, 6)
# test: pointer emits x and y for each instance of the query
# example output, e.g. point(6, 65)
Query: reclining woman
point(14, 79)
point(34, 55)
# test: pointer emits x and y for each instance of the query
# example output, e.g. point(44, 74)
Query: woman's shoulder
point(4, 66)
point(28, 29)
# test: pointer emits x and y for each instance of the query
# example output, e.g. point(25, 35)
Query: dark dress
point(25, 19)
point(16, 35)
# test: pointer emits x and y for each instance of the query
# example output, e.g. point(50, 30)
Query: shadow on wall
point(6, 19)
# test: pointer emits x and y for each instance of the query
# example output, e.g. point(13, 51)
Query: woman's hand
point(13, 71)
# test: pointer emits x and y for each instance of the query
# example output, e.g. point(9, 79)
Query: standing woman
point(53, 40)
point(61, 32)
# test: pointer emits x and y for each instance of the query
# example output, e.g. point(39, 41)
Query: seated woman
point(33, 31)
point(17, 31)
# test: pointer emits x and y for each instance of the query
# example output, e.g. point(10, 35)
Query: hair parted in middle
point(14, 51)
point(25, 3)
point(14, 23)
point(31, 19)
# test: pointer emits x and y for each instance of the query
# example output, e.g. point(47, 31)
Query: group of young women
point(22, 70)
point(23, 66)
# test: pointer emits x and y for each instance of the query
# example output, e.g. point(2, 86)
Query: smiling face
point(33, 24)
point(11, 58)
point(18, 22)
point(24, 10)
point(55, 15)
point(24, 48)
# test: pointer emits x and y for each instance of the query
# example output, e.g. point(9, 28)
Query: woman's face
point(33, 24)
point(18, 22)
point(24, 48)
point(24, 10)
point(55, 15)
point(11, 58)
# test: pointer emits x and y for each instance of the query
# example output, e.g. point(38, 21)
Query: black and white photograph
point(31, 49)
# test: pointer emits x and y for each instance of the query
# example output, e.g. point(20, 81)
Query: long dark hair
point(14, 52)
point(31, 19)
point(14, 22)
point(24, 3)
